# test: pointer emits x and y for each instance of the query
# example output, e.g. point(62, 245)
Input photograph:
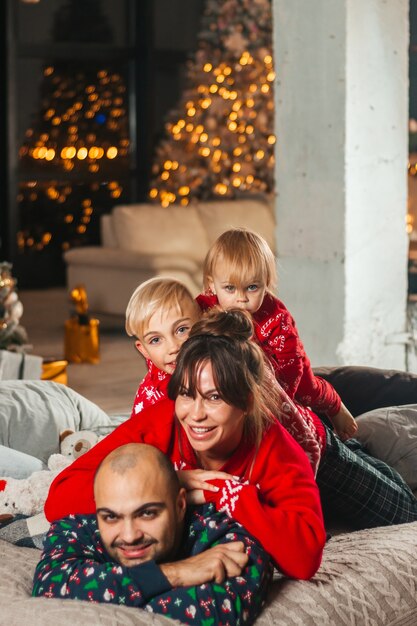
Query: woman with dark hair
point(224, 438)
point(355, 487)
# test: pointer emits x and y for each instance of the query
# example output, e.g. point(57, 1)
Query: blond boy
point(160, 314)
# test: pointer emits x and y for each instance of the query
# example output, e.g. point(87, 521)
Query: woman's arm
point(281, 507)
point(72, 490)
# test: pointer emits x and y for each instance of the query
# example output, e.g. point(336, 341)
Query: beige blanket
point(367, 578)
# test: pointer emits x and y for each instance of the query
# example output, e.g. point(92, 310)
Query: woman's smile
point(200, 432)
point(214, 428)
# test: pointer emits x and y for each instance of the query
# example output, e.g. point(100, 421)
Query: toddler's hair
point(153, 295)
point(247, 255)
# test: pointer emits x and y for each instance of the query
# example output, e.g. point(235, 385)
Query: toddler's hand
point(344, 423)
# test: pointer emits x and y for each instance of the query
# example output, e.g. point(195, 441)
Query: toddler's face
point(165, 334)
point(248, 296)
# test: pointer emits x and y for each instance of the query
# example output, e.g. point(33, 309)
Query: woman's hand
point(195, 482)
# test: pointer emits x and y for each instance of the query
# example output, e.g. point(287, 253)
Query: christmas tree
point(219, 140)
point(12, 335)
point(76, 152)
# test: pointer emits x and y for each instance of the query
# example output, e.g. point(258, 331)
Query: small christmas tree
point(220, 139)
point(12, 335)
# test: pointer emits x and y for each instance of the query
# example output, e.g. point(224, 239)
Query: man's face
point(138, 518)
point(165, 334)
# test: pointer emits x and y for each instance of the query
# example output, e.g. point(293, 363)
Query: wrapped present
point(81, 331)
point(82, 341)
point(18, 365)
point(55, 370)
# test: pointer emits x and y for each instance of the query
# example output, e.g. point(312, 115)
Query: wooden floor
point(112, 383)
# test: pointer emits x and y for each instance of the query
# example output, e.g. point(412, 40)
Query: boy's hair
point(246, 253)
point(153, 295)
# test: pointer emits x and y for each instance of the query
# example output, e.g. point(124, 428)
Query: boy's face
point(165, 334)
point(248, 296)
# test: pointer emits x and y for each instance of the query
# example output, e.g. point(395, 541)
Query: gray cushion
point(363, 389)
point(390, 434)
point(34, 413)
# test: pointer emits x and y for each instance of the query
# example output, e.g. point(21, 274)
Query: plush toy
point(74, 444)
point(26, 496)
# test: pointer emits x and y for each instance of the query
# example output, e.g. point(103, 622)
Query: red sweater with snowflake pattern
point(277, 499)
point(152, 388)
point(278, 337)
point(299, 421)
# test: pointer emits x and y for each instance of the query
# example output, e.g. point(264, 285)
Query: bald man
point(143, 549)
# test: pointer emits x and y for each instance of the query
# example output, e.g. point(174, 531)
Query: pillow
point(253, 214)
point(152, 230)
point(25, 531)
point(390, 434)
point(363, 388)
point(34, 412)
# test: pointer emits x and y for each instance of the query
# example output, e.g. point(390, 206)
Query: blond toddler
point(240, 272)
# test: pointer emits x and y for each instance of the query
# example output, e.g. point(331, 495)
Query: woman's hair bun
point(235, 324)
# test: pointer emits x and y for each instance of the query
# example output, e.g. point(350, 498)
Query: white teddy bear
point(26, 496)
point(73, 445)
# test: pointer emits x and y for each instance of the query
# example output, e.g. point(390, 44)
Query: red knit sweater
point(299, 421)
point(152, 388)
point(277, 335)
point(279, 505)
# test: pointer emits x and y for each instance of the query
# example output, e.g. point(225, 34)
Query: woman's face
point(213, 427)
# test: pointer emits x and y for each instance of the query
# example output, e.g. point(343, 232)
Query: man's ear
point(181, 503)
point(140, 348)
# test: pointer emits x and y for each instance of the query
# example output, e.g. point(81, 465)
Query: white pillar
point(341, 123)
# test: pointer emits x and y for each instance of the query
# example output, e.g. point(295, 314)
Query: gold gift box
point(56, 371)
point(82, 341)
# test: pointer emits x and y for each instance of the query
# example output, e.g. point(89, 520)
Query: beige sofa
point(140, 241)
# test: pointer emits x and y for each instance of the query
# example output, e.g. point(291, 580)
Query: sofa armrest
point(98, 256)
point(107, 236)
point(363, 389)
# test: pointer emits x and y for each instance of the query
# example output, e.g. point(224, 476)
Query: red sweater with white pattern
point(278, 337)
point(152, 388)
point(299, 421)
point(277, 500)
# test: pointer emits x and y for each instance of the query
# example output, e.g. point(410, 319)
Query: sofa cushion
point(151, 229)
point(253, 214)
point(390, 434)
point(365, 388)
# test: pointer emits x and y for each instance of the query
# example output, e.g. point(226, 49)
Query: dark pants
point(361, 490)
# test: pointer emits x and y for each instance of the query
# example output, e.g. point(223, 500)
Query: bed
point(367, 577)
